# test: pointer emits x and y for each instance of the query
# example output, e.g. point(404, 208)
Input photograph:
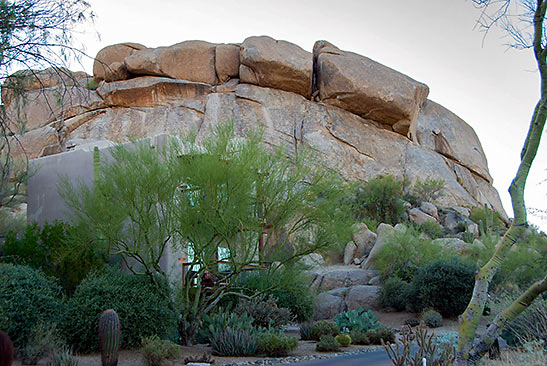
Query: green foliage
point(22, 287)
point(380, 199)
point(429, 189)
point(43, 339)
point(276, 344)
point(305, 331)
point(431, 229)
point(395, 294)
point(289, 286)
point(356, 319)
point(446, 285)
point(112, 289)
point(62, 357)
point(377, 335)
point(404, 252)
point(265, 312)
point(343, 340)
point(155, 351)
point(92, 85)
point(49, 248)
point(323, 327)
point(213, 323)
point(234, 342)
point(432, 318)
point(327, 343)
point(486, 218)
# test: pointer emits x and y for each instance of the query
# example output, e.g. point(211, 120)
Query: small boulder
point(419, 217)
point(313, 260)
point(383, 232)
point(453, 244)
point(365, 297)
point(430, 209)
point(349, 252)
point(327, 306)
point(364, 239)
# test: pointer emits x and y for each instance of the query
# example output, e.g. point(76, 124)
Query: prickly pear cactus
point(109, 337)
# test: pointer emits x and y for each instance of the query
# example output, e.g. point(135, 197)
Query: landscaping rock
point(364, 239)
point(464, 211)
point(343, 278)
point(383, 232)
point(328, 305)
point(349, 252)
point(365, 297)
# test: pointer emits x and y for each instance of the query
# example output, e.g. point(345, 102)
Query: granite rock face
point(357, 115)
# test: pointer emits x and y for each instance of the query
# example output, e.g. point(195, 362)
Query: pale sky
point(492, 87)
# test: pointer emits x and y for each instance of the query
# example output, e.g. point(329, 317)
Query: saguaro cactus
point(109, 337)
point(6, 350)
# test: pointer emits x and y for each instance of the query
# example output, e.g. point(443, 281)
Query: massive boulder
point(276, 64)
point(189, 60)
point(356, 127)
point(108, 64)
point(365, 87)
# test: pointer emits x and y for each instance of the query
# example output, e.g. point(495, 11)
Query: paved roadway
point(376, 358)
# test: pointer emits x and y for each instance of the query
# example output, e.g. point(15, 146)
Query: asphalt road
point(376, 358)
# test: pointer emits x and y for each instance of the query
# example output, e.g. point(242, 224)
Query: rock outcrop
point(361, 117)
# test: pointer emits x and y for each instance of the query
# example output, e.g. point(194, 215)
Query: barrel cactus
point(109, 337)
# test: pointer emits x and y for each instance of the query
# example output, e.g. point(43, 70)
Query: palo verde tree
point(530, 33)
point(34, 34)
point(229, 199)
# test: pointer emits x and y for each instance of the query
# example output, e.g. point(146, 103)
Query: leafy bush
point(432, 318)
point(404, 252)
point(356, 319)
point(486, 218)
point(49, 249)
point(380, 199)
point(213, 323)
point(395, 294)
point(376, 335)
point(265, 312)
point(323, 327)
point(276, 344)
point(291, 290)
point(22, 287)
point(446, 285)
point(144, 309)
point(343, 340)
point(327, 343)
point(155, 351)
point(429, 189)
point(43, 340)
point(305, 331)
point(234, 342)
point(359, 337)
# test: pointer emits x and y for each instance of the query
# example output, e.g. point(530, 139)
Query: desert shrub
point(356, 319)
point(92, 85)
point(380, 199)
point(432, 318)
point(446, 285)
point(376, 335)
point(327, 343)
point(144, 308)
point(530, 325)
point(323, 327)
point(276, 344)
point(155, 351)
point(49, 249)
point(23, 287)
point(429, 189)
point(213, 323)
point(290, 289)
point(431, 229)
point(234, 342)
point(359, 337)
point(62, 357)
point(372, 224)
point(305, 331)
point(43, 340)
point(395, 294)
point(264, 311)
point(343, 340)
point(486, 218)
point(404, 252)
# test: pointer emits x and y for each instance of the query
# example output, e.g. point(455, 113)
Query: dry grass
point(533, 356)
